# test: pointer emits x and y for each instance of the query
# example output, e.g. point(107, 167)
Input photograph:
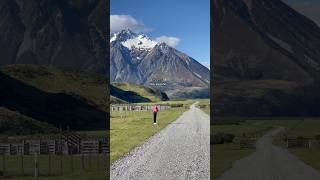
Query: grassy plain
point(308, 128)
point(223, 155)
point(130, 129)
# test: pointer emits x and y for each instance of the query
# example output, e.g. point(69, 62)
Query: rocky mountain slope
point(62, 33)
point(140, 60)
point(265, 55)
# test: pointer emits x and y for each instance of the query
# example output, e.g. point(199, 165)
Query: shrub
point(221, 138)
point(217, 139)
point(228, 138)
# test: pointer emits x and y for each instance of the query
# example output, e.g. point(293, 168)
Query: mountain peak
point(163, 47)
point(131, 40)
point(123, 35)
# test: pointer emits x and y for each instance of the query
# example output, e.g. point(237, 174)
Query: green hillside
point(132, 93)
point(54, 80)
point(61, 98)
point(12, 122)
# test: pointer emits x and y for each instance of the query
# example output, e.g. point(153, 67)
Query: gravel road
point(270, 163)
point(179, 151)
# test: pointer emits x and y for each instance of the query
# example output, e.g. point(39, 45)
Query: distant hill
point(266, 60)
point(61, 98)
point(132, 93)
point(14, 123)
point(55, 80)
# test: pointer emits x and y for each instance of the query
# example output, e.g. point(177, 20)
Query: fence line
point(132, 107)
point(68, 143)
point(51, 165)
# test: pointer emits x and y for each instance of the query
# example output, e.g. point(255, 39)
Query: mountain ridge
point(138, 59)
point(277, 47)
point(65, 34)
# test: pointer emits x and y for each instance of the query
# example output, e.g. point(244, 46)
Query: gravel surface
point(270, 163)
point(179, 151)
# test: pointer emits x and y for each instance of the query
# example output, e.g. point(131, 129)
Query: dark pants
point(154, 117)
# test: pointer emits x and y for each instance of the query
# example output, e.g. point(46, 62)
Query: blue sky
point(186, 22)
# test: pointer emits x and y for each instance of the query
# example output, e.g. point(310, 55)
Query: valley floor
point(230, 155)
point(179, 151)
point(270, 162)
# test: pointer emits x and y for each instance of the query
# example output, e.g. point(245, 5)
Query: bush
point(317, 137)
point(228, 138)
point(176, 105)
point(221, 138)
point(217, 139)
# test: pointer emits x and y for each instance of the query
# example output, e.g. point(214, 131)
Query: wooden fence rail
point(126, 107)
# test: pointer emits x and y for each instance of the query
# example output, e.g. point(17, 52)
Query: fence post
point(61, 164)
point(36, 170)
point(22, 165)
point(82, 161)
point(97, 161)
point(72, 164)
point(49, 164)
point(4, 163)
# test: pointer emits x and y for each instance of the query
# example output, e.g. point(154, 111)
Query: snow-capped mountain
point(138, 59)
point(131, 40)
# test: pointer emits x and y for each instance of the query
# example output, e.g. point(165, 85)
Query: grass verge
point(205, 105)
point(223, 155)
point(61, 167)
point(308, 128)
point(130, 129)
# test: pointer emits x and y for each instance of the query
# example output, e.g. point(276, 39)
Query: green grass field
point(206, 105)
point(60, 167)
point(308, 128)
point(223, 155)
point(130, 129)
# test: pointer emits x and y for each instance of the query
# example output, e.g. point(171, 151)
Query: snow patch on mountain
point(131, 40)
point(139, 42)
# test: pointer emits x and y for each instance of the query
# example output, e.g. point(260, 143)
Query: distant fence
point(68, 143)
point(132, 107)
point(302, 143)
point(248, 143)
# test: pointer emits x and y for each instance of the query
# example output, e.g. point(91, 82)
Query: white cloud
point(171, 41)
point(120, 22)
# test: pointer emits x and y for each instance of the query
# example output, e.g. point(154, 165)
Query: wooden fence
point(248, 143)
point(126, 107)
point(64, 145)
point(302, 143)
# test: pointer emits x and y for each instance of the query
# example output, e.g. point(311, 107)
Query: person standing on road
point(155, 111)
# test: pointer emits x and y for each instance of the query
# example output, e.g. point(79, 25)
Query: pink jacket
point(155, 109)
